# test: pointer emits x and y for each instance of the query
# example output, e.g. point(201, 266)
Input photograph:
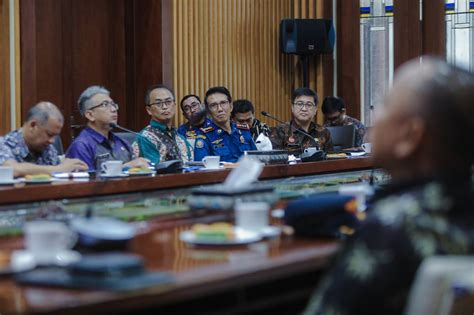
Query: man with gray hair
point(30, 150)
point(423, 138)
point(97, 143)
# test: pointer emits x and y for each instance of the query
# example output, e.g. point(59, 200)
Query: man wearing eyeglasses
point(196, 114)
point(159, 141)
point(97, 143)
point(303, 109)
point(334, 111)
point(222, 137)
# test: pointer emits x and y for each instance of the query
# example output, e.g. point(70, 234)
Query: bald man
point(30, 150)
point(423, 139)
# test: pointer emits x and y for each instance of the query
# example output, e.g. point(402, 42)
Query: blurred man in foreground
point(424, 141)
point(30, 150)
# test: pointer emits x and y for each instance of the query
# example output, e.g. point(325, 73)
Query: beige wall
point(235, 43)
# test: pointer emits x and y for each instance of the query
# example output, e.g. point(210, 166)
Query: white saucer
point(114, 176)
point(9, 182)
point(242, 237)
point(63, 258)
point(270, 231)
point(20, 261)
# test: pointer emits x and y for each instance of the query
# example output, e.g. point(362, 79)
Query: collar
point(453, 183)
point(312, 126)
point(161, 126)
point(233, 127)
point(98, 137)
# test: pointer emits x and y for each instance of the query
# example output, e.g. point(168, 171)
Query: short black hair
point(186, 97)
point(332, 104)
point(242, 106)
point(154, 87)
point(304, 91)
point(218, 89)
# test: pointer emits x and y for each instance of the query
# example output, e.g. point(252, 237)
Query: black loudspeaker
point(307, 36)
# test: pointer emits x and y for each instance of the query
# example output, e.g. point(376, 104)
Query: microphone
point(266, 114)
point(114, 125)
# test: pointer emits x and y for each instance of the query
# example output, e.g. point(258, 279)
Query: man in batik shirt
point(303, 110)
point(30, 150)
point(428, 210)
point(159, 141)
point(334, 111)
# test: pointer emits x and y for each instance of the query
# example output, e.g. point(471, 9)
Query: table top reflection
point(198, 270)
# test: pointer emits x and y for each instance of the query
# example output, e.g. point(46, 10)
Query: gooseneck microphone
point(266, 114)
point(114, 125)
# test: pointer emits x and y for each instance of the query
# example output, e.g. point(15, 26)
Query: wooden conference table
point(272, 275)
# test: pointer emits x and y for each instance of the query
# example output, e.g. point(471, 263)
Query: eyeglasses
point(105, 105)
point(213, 106)
point(308, 105)
point(188, 108)
point(161, 104)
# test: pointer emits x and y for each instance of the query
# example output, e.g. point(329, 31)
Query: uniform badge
point(199, 144)
point(242, 140)
point(291, 139)
point(219, 131)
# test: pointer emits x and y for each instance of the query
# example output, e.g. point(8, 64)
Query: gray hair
point(89, 93)
point(42, 111)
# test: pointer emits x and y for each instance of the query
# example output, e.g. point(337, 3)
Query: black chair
point(127, 136)
point(343, 137)
point(58, 145)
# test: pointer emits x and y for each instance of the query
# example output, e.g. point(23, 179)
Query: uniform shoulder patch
point(207, 129)
point(242, 126)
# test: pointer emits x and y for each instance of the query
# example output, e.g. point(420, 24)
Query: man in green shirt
point(159, 141)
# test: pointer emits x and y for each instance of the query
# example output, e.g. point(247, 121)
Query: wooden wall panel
point(69, 45)
point(434, 28)
point(408, 36)
point(4, 67)
point(348, 55)
point(235, 43)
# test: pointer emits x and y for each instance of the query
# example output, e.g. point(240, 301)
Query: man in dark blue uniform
point(222, 137)
point(195, 113)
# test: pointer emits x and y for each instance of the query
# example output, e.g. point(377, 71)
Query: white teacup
point(112, 168)
point(46, 239)
point(367, 147)
point(252, 216)
point(6, 173)
point(211, 162)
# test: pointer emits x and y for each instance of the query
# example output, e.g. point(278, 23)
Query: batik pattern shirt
point(259, 127)
point(94, 149)
point(375, 269)
point(14, 147)
point(359, 129)
point(285, 137)
point(158, 143)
